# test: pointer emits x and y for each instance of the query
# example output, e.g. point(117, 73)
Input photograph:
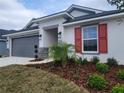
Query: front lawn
point(79, 73)
point(21, 79)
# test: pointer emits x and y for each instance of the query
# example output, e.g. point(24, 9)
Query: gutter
point(93, 19)
point(3, 40)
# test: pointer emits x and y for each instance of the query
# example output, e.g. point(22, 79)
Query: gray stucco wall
point(3, 48)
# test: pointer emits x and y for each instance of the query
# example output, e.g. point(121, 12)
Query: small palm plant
point(59, 52)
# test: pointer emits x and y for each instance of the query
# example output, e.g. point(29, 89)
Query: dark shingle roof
point(105, 13)
point(89, 11)
point(29, 28)
point(48, 15)
point(3, 32)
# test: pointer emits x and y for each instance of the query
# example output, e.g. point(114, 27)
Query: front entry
point(50, 37)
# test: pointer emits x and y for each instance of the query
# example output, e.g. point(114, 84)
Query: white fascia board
point(3, 40)
point(69, 15)
point(60, 14)
point(28, 24)
point(93, 19)
point(82, 7)
point(22, 33)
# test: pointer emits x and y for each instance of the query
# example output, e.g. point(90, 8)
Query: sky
point(15, 14)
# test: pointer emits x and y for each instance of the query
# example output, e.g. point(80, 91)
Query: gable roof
point(81, 10)
point(73, 20)
point(84, 9)
point(88, 17)
point(70, 9)
point(93, 13)
point(62, 13)
point(66, 13)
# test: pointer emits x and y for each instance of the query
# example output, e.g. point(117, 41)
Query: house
point(94, 32)
point(3, 42)
point(2, 46)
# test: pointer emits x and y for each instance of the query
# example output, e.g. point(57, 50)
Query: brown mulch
point(79, 74)
point(36, 60)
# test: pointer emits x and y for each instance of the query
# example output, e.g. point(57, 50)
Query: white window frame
point(90, 39)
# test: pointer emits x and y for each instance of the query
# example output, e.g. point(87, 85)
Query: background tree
point(118, 3)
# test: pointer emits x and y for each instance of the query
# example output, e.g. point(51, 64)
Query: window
point(90, 39)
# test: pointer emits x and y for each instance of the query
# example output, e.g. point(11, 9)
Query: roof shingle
point(105, 13)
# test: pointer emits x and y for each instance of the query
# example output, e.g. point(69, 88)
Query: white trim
point(3, 40)
point(83, 7)
point(11, 47)
point(69, 15)
point(28, 24)
point(22, 33)
point(90, 39)
point(93, 19)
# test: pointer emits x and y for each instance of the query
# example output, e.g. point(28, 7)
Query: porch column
point(41, 38)
point(9, 45)
point(61, 30)
point(43, 50)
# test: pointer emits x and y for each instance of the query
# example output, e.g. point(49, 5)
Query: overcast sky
point(15, 14)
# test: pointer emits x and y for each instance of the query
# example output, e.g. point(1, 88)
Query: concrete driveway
point(14, 60)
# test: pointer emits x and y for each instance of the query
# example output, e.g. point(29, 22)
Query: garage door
point(24, 46)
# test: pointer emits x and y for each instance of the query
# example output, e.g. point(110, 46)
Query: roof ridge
point(50, 14)
point(66, 11)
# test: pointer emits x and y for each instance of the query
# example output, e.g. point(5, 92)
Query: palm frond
point(60, 51)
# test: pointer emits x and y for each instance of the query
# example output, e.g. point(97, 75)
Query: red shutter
point(78, 40)
point(103, 42)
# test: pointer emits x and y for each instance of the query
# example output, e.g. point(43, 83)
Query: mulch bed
point(36, 60)
point(79, 74)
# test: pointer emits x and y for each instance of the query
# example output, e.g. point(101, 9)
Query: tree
point(118, 3)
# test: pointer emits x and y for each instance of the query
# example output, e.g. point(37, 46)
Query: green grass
point(21, 79)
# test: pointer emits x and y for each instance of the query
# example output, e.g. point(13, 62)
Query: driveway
point(13, 60)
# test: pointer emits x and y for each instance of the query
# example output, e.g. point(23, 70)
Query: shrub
point(84, 61)
point(118, 88)
point(95, 60)
point(102, 68)
point(97, 82)
point(81, 61)
point(59, 52)
point(0, 56)
point(112, 62)
point(77, 60)
point(74, 58)
point(120, 74)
